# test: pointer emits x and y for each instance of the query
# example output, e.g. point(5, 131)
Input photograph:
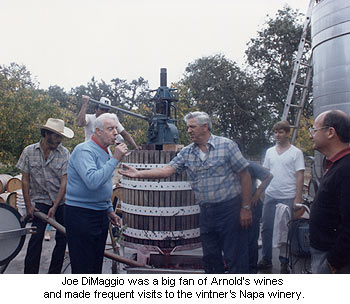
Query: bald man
point(330, 213)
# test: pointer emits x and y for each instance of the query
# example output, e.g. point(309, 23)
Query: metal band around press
point(155, 186)
point(161, 235)
point(160, 211)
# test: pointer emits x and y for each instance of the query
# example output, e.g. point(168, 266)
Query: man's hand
point(130, 172)
point(52, 212)
point(85, 99)
point(30, 210)
point(246, 218)
point(115, 219)
point(119, 151)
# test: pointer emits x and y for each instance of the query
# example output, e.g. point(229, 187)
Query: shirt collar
point(330, 162)
point(95, 140)
point(211, 142)
point(58, 149)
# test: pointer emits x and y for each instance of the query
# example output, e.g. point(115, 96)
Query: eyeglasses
point(312, 131)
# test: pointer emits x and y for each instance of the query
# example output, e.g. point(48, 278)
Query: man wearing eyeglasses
point(330, 212)
point(88, 121)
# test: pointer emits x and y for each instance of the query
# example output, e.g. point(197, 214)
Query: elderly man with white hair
point(88, 198)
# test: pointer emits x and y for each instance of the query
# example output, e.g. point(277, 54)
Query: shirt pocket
point(215, 168)
point(55, 168)
point(36, 169)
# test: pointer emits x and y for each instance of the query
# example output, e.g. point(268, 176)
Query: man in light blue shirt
point(220, 180)
point(88, 196)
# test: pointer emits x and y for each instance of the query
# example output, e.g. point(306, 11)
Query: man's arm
point(81, 121)
point(128, 138)
point(246, 184)
point(60, 196)
point(260, 190)
point(25, 189)
point(148, 174)
point(300, 186)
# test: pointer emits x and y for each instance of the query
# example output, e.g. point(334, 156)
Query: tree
point(219, 87)
point(22, 108)
point(271, 58)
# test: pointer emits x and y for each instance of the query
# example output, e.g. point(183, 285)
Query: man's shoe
point(284, 268)
point(263, 264)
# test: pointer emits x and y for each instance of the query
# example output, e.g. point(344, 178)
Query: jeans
point(87, 231)
point(268, 219)
point(32, 259)
point(253, 236)
point(224, 241)
point(319, 263)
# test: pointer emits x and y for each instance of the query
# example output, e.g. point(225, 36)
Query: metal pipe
point(119, 109)
point(107, 254)
point(163, 77)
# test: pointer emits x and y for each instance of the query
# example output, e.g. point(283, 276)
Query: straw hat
point(57, 126)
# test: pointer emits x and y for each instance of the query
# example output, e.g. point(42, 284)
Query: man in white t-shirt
point(88, 121)
point(286, 163)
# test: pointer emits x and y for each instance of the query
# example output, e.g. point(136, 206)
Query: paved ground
point(16, 265)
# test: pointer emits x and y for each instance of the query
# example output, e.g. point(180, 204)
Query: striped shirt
point(216, 178)
point(44, 176)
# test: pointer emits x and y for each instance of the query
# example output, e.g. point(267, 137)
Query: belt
point(233, 201)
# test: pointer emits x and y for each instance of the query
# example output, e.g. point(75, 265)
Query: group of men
point(224, 183)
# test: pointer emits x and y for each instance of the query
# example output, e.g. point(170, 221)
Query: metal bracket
point(160, 211)
point(161, 235)
point(4, 235)
point(155, 186)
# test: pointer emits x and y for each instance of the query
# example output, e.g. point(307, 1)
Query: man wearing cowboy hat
point(88, 121)
point(44, 179)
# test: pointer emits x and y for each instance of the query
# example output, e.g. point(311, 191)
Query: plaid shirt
point(44, 176)
point(215, 179)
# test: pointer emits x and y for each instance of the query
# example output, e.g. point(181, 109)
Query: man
point(330, 212)
point(220, 180)
point(256, 172)
point(44, 178)
point(88, 199)
point(286, 163)
point(88, 121)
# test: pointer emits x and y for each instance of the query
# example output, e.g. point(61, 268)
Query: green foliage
point(23, 107)
point(271, 58)
point(244, 104)
point(219, 87)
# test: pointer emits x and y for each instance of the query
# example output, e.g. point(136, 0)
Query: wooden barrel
point(20, 205)
point(4, 178)
point(14, 183)
point(9, 198)
point(160, 213)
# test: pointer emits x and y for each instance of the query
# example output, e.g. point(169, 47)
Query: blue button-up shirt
point(216, 178)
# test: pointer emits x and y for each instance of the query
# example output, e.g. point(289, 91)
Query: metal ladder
point(304, 85)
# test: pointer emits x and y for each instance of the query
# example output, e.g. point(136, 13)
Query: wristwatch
point(246, 207)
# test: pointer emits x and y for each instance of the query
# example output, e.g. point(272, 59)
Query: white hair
point(201, 118)
point(102, 118)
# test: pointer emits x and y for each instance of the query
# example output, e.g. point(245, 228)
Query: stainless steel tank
point(330, 32)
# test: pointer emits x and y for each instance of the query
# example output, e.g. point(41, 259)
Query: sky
point(67, 42)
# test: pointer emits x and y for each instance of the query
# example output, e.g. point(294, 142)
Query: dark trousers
point(86, 236)
point(253, 236)
point(32, 259)
point(224, 241)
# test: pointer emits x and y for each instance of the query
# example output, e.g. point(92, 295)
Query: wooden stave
point(159, 199)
